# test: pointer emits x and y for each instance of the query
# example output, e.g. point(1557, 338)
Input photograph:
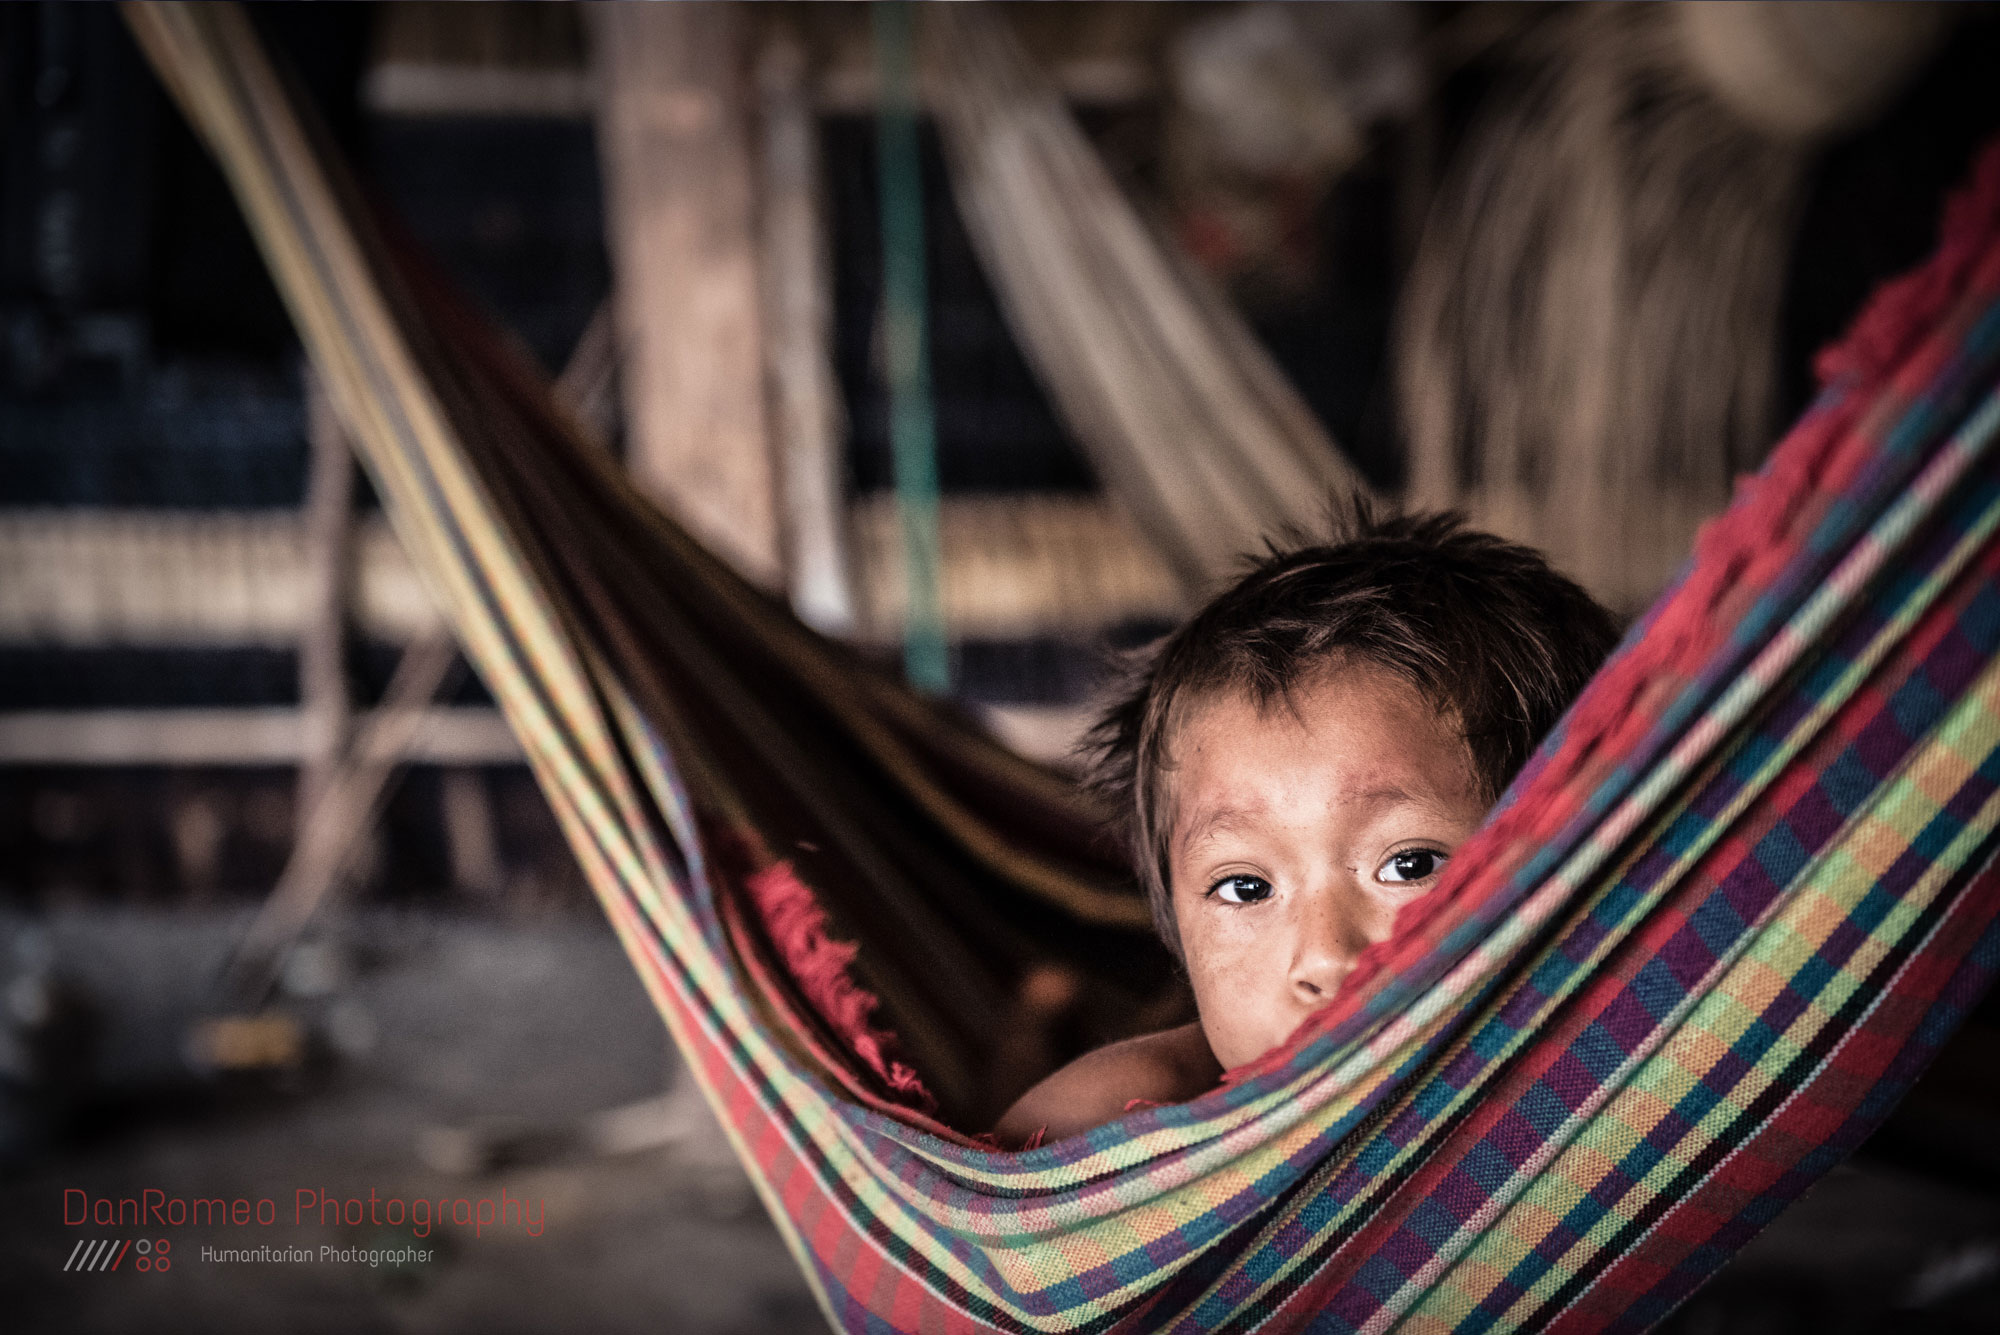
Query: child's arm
point(1168, 1067)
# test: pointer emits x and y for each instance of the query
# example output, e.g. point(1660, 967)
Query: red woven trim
point(1904, 309)
point(1737, 557)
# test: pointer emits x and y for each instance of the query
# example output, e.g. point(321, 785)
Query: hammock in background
point(1711, 935)
point(1192, 427)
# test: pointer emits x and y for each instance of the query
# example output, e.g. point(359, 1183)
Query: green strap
point(912, 418)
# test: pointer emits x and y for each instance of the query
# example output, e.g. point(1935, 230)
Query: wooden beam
point(1014, 567)
point(1026, 564)
point(674, 135)
point(1046, 733)
point(435, 59)
point(406, 89)
point(443, 59)
point(96, 578)
point(229, 738)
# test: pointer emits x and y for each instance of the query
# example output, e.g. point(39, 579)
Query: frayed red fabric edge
point(990, 1140)
point(818, 966)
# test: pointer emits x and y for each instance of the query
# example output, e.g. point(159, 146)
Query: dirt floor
point(433, 1034)
point(433, 1026)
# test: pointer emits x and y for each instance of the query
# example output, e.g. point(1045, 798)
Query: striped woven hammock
point(1712, 934)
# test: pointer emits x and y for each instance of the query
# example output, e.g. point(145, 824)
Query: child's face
point(1299, 830)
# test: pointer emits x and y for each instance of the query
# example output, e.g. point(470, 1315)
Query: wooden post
point(338, 811)
point(471, 836)
point(590, 379)
point(334, 829)
point(674, 137)
point(805, 410)
point(327, 712)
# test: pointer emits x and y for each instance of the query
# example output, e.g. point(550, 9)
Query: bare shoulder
point(1168, 1067)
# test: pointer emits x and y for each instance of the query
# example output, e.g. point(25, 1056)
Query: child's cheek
point(1238, 973)
point(1219, 939)
point(1375, 911)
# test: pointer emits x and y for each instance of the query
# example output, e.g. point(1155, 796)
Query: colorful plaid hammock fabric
point(1709, 938)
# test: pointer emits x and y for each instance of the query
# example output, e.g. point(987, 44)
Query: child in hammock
point(1299, 761)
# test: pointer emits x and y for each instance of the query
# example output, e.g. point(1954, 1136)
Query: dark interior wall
point(512, 206)
point(147, 358)
point(112, 209)
point(1876, 197)
point(77, 151)
point(996, 429)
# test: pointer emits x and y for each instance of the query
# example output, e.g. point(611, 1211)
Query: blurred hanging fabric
point(1192, 427)
point(1591, 320)
point(1710, 936)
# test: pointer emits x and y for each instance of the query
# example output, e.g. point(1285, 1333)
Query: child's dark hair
point(1483, 628)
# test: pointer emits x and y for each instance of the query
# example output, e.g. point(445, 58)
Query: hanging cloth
point(1192, 427)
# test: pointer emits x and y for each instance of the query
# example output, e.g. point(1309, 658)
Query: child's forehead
point(1331, 683)
point(1359, 717)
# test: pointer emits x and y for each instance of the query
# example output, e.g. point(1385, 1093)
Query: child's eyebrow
point(1383, 796)
point(1215, 821)
point(1424, 799)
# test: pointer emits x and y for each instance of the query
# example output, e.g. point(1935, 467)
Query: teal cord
point(912, 416)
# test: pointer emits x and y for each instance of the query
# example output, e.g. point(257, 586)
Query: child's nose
point(1330, 938)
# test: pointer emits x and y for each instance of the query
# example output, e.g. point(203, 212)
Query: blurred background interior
point(1564, 267)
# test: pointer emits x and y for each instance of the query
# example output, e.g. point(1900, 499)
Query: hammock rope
point(1712, 933)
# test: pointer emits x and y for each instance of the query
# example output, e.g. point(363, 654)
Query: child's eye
point(1241, 889)
point(1412, 864)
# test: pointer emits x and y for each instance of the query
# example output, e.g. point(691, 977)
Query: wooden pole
point(343, 812)
point(675, 139)
point(256, 736)
point(347, 799)
point(805, 410)
point(327, 710)
point(471, 835)
point(589, 383)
